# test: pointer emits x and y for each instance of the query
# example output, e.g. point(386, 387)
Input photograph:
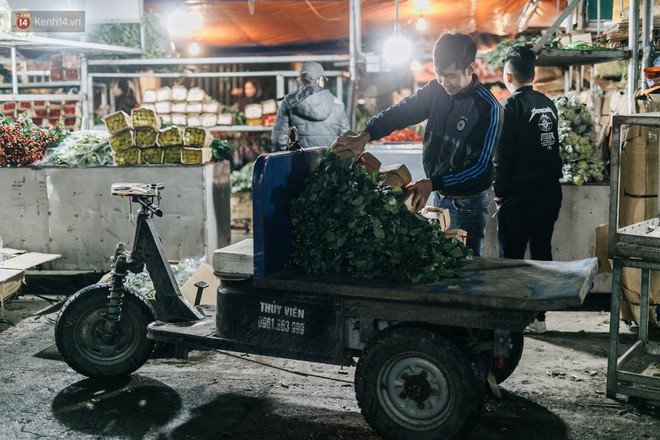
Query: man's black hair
point(521, 61)
point(454, 48)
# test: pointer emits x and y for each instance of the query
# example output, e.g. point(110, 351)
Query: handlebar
point(148, 205)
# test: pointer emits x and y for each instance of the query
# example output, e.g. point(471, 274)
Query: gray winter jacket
point(315, 112)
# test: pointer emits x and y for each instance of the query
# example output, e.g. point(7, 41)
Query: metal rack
point(634, 246)
point(284, 79)
point(17, 42)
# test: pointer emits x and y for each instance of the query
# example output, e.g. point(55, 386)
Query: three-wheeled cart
point(425, 352)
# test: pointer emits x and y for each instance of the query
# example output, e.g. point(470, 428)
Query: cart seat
point(234, 262)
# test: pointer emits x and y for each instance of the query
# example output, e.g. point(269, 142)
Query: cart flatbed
point(487, 282)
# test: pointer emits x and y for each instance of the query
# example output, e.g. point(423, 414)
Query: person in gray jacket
point(314, 111)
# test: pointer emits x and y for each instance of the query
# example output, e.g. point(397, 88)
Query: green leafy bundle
point(343, 222)
point(81, 149)
point(577, 142)
point(241, 180)
point(221, 150)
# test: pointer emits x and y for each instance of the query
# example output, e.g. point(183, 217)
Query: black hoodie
point(527, 156)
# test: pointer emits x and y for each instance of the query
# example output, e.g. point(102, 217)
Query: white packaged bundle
point(164, 94)
point(149, 96)
point(178, 107)
point(179, 93)
point(253, 111)
point(179, 119)
point(193, 120)
point(208, 119)
point(194, 107)
point(269, 107)
point(163, 107)
point(196, 95)
point(226, 118)
point(211, 107)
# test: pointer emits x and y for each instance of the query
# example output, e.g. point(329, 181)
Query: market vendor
point(463, 126)
point(528, 167)
point(317, 114)
point(249, 94)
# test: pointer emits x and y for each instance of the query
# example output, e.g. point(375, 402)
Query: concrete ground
point(557, 392)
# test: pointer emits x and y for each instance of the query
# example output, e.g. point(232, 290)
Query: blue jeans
point(469, 213)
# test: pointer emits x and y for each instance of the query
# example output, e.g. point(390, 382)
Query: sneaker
point(537, 327)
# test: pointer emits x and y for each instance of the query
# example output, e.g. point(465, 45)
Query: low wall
point(70, 211)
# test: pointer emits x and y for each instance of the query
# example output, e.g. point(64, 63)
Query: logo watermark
point(48, 21)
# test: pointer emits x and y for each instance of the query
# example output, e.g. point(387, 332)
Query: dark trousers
point(527, 219)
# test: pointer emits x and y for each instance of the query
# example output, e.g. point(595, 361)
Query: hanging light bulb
point(397, 48)
point(194, 49)
point(421, 23)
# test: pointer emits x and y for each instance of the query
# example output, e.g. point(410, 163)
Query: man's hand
point(422, 189)
point(352, 142)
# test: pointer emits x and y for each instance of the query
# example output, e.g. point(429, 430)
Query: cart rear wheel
point(415, 384)
point(516, 345)
point(79, 329)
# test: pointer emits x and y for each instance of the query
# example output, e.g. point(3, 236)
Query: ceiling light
point(183, 23)
point(422, 5)
point(397, 48)
point(421, 23)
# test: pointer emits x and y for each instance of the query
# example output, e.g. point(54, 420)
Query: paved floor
point(556, 393)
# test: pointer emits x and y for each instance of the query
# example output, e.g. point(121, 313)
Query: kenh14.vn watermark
point(48, 21)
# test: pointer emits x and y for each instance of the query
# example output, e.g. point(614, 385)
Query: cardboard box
point(209, 294)
point(458, 234)
point(441, 215)
point(12, 270)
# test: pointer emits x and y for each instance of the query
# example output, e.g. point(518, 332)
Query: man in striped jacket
point(464, 121)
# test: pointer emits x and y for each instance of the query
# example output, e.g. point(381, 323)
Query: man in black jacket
point(313, 110)
point(527, 167)
point(462, 129)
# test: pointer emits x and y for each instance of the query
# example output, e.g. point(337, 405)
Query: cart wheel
point(517, 342)
point(79, 327)
point(415, 384)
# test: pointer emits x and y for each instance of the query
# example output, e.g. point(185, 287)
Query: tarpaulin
point(268, 22)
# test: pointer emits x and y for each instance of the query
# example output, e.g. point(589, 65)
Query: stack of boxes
point(65, 67)
point(193, 107)
point(43, 113)
point(181, 106)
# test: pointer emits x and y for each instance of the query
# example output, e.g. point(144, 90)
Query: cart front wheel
point(79, 333)
point(414, 383)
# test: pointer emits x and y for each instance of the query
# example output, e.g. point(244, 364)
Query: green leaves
point(344, 223)
point(241, 180)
